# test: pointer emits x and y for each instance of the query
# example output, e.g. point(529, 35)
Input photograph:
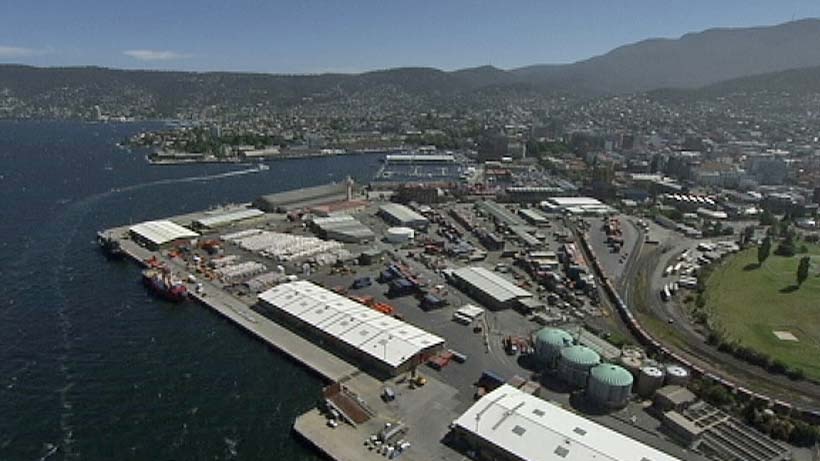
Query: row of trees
point(753, 357)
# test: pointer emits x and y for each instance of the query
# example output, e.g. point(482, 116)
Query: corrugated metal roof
point(227, 218)
point(343, 226)
point(401, 213)
point(499, 212)
point(162, 232)
point(534, 429)
point(389, 340)
point(535, 215)
point(575, 201)
point(303, 197)
point(491, 284)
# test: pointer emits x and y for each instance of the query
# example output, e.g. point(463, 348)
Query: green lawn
point(748, 303)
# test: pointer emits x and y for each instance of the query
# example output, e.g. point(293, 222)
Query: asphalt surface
point(650, 263)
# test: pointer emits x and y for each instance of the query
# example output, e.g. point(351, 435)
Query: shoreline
point(283, 156)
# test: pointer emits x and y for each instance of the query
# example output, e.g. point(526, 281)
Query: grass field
point(749, 303)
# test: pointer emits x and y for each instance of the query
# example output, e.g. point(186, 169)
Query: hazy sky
point(344, 36)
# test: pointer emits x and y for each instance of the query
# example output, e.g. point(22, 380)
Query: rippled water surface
point(91, 367)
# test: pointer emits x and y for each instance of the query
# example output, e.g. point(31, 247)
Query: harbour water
point(91, 366)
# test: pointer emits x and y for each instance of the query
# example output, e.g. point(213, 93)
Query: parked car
point(362, 282)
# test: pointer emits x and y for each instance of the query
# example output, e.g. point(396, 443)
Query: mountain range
point(713, 58)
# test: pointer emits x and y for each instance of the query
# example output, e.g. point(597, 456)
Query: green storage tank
point(609, 385)
point(575, 362)
point(548, 345)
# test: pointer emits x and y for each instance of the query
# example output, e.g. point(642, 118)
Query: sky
point(311, 36)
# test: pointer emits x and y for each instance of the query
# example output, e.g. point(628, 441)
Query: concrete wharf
point(316, 359)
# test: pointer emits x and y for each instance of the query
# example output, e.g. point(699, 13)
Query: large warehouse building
point(400, 215)
point(377, 342)
point(489, 288)
point(509, 424)
point(158, 234)
point(344, 228)
point(304, 198)
point(217, 220)
point(576, 205)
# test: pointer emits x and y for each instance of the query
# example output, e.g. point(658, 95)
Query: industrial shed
point(509, 424)
point(489, 288)
point(376, 341)
point(157, 234)
point(576, 205)
point(499, 213)
point(533, 217)
point(283, 202)
point(401, 215)
point(344, 228)
point(215, 221)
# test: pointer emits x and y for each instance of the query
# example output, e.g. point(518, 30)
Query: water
point(91, 366)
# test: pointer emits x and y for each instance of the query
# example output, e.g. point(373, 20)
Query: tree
point(716, 395)
point(786, 247)
point(803, 270)
point(763, 250)
point(767, 218)
point(748, 235)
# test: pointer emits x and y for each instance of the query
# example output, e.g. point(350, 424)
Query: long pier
point(316, 359)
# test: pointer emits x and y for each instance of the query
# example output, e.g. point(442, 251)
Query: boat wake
point(204, 178)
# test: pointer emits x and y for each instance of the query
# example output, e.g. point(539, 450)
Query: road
point(644, 273)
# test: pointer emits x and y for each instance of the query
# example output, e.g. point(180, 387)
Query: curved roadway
point(647, 262)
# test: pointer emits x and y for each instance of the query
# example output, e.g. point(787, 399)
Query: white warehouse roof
point(162, 232)
point(536, 430)
point(491, 284)
point(385, 338)
point(229, 217)
point(575, 201)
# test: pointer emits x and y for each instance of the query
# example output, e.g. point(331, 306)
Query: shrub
point(701, 301)
point(786, 248)
point(716, 395)
point(778, 366)
point(803, 434)
point(795, 374)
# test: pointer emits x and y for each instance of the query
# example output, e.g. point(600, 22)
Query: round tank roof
point(654, 372)
point(580, 355)
point(633, 362)
point(611, 374)
point(676, 370)
point(554, 337)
